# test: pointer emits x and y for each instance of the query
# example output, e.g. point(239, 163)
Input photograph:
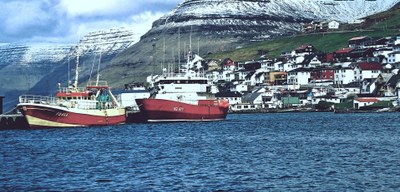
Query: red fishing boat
point(183, 96)
point(93, 105)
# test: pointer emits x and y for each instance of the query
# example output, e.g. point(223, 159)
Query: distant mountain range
point(37, 68)
point(201, 26)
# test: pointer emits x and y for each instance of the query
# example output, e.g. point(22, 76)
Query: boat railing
point(71, 89)
point(38, 99)
point(183, 74)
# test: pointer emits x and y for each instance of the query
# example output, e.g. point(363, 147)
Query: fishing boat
point(182, 96)
point(73, 106)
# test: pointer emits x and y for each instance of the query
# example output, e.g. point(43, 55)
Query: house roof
point(307, 59)
point(304, 46)
point(228, 62)
point(370, 66)
point(386, 76)
point(393, 80)
point(249, 97)
point(358, 38)
point(352, 85)
point(228, 94)
point(367, 99)
point(344, 50)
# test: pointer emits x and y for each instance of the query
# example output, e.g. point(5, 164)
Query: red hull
point(40, 116)
point(154, 110)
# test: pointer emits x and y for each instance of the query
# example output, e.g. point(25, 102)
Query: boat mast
point(179, 50)
point(76, 70)
point(69, 79)
point(98, 71)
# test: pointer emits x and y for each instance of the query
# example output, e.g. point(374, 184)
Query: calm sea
point(247, 152)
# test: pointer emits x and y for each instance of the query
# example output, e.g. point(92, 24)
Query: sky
point(66, 21)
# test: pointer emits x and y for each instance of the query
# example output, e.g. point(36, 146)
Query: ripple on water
point(247, 152)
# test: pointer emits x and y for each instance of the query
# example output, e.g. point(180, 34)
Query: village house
point(386, 84)
point(394, 57)
point(378, 43)
point(368, 86)
point(305, 49)
point(359, 42)
point(330, 25)
point(327, 98)
point(361, 54)
point(323, 73)
point(383, 54)
point(215, 75)
point(342, 54)
point(300, 76)
point(344, 75)
point(233, 97)
point(228, 65)
point(308, 28)
point(367, 70)
point(364, 101)
point(277, 78)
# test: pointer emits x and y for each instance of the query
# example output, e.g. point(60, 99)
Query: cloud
point(67, 20)
point(23, 19)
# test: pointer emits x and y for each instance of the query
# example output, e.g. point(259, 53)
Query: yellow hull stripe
point(40, 122)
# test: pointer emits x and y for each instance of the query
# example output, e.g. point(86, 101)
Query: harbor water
point(247, 152)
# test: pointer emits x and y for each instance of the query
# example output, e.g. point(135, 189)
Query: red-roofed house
point(359, 42)
point(342, 54)
point(367, 70)
point(364, 101)
point(228, 64)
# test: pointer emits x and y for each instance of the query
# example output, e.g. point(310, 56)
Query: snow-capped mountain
point(37, 68)
point(262, 18)
point(108, 42)
point(209, 26)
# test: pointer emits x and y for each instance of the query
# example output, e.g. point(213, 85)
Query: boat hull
point(161, 110)
point(46, 116)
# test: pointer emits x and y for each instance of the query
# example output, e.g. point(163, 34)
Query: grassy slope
point(383, 24)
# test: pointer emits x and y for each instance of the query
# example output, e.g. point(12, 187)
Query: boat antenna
point(68, 71)
point(98, 71)
point(163, 60)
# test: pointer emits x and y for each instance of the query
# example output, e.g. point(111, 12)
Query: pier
point(11, 121)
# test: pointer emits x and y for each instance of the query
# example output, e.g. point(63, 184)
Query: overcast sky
point(65, 21)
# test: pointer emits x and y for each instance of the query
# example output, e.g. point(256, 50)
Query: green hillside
point(379, 25)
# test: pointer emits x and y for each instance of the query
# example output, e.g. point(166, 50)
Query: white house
point(383, 52)
point(278, 66)
point(232, 97)
point(367, 70)
point(394, 57)
point(315, 62)
point(368, 85)
point(397, 40)
point(333, 25)
point(344, 75)
point(299, 76)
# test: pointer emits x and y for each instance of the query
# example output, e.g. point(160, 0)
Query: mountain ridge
point(211, 26)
